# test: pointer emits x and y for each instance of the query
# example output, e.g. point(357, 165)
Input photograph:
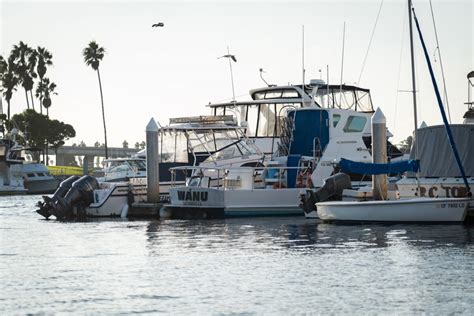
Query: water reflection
point(266, 234)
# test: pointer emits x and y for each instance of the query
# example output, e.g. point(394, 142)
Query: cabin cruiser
point(24, 163)
point(308, 142)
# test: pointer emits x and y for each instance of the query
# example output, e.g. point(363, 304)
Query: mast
point(412, 56)
point(342, 63)
point(413, 77)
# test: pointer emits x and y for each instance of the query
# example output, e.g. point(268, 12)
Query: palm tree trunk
point(8, 108)
point(27, 102)
point(103, 115)
point(32, 102)
point(41, 103)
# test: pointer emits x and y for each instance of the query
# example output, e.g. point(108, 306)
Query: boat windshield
point(125, 165)
point(177, 144)
point(344, 97)
point(234, 150)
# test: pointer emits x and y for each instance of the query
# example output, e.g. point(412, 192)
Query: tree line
point(26, 68)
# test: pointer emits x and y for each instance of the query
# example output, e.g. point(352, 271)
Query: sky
point(175, 71)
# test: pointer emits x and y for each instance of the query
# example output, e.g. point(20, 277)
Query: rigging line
point(370, 42)
point(399, 70)
point(440, 63)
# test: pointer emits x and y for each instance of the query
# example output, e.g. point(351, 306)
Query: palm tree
point(46, 90)
point(43, 59)
point(8, 80)
point(93, 55)
point(24, 69)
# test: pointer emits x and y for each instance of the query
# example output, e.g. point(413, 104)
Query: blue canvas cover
point(309, 124)
point(293, 161)
point(379, 168)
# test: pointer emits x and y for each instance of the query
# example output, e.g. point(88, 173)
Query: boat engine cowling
point(47, 206)
point(79, 195)
point(331, 190)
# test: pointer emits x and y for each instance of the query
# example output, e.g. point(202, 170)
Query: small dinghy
point(403, 210)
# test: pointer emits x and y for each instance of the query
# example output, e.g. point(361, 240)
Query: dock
point(144, 210)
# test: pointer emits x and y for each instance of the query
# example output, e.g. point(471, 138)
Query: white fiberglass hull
point(217, 203)
point(113, 201)
point(403, 210)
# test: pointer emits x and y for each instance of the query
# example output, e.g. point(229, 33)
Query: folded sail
point(379, 168)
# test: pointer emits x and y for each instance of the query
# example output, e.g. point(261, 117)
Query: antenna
point(261, 76)
point(342, 62)
point(327, 85)
point(231, 76)
point(440, 63)
point(302, 65)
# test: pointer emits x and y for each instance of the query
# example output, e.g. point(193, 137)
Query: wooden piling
point(152, 163)
point(379, 153)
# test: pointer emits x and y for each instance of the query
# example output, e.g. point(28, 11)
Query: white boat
point(123, 169)
point(10, 184)
point(24, 164)
point(242, 192)
point(80, 198)
point(402, 210)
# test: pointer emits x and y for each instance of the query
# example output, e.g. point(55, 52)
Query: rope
point(370, 42)
point(399, 71)
point(441, 63)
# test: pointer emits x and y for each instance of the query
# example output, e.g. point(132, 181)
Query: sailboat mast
point(415, 116)
point(412, 55)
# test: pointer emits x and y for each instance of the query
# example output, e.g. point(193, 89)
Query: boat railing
point(238, 178)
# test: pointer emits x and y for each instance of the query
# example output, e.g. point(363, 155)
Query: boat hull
point(438, 210)
point(200, 202)
point(42, 186)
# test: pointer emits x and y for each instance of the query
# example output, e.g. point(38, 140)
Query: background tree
point(44, 59)
point(93, 55)
point(8, 80)
point(142, 145)
point(37, 130)
point(23, 56)
point(137, 145)
point(58, 133)
point(405, 145)
point(96, 144)
point(125, 144)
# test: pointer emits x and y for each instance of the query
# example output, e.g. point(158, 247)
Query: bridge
point(66, 154)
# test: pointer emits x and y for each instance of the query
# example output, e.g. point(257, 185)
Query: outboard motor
point(79, 195)
point(48, 205)
point(330, 191)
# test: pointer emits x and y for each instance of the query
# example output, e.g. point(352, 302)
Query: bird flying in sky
point(229, 56)
point(160, 24)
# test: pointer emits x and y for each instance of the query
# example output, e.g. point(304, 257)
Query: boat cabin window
point(335, 119)
point(290, 94)
point(173, 146)
point(276, 94)
point(355, 124)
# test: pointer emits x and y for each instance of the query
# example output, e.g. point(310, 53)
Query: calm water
point(237, 266)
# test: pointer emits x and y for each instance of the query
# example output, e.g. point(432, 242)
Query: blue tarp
point(379, 168)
